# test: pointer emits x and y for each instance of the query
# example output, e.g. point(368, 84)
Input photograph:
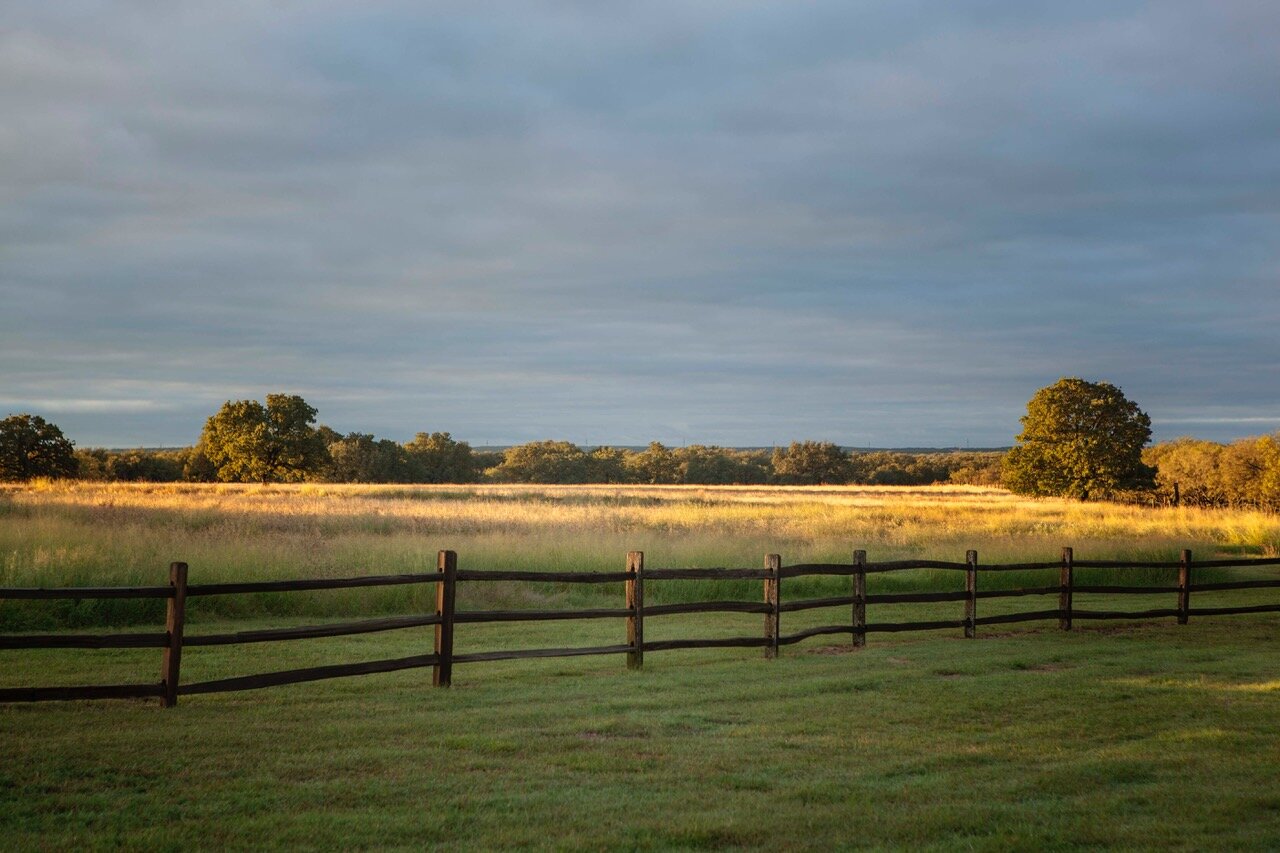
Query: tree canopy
point(31, 447)
point(249, 442)
point(1079, 439)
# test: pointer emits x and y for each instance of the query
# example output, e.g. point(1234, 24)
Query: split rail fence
point(635, 611)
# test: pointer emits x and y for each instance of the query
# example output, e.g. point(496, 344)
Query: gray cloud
point(737, 223)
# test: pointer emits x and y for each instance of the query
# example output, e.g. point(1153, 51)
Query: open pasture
point(1117, 734)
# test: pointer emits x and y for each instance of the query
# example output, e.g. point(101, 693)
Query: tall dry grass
point(66, 534)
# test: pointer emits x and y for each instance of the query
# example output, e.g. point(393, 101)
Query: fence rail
point(635, 611)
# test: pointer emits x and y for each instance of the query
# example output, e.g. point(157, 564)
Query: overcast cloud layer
point(738, 223)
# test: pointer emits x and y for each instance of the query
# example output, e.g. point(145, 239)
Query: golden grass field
point(77, 533)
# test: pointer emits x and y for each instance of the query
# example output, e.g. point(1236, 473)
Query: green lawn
point(1125, 735)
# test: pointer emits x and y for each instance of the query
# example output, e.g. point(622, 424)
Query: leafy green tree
point(543, 462)
point(437, 458)
point(656, 464)
point(607, 465)
point(31, 447)
point(358, 457)
point(1082, 440)
point(811, 463)
point(250, 442)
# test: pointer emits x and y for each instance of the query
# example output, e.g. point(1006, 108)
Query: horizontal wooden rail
point(1237, 563)
point(788, 639)
point(307, 584)
point(1121, 614)
point(815, 603)
point(725, 643)
point(705, 607)
point(312, 673)
point(803, 569)
point(541, 577)
point(1029, 616)
point(891, 627)
point(905, 565)
point(29, 593)
point(58, 694)
point(478, 616)
point(1126, 590)
point(915, 597)
point(1227, 611)
point(84, 641)
point(1129, 564)
point(519, 654)
point(1211, 587)
point(706, 574)
point(1022, 591)
point(308, 632)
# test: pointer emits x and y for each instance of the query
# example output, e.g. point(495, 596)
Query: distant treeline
point(439, 458)
point(1192, 472)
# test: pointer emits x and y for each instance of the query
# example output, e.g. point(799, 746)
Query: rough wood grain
point(635, 609)
point(175, 618)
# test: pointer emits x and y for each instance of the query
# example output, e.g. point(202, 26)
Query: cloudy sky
point(721, 222)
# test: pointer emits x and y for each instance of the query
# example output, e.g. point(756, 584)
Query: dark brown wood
point(175, 617)
point(725, 643)
point(1067, 580)
point(706, 607)
point(311, 673)
point(815, 603)
point(302, 585)
point(971, 600)
point(307, 632)
point(1184, 587)
point(859, 598)
point(891, 627)
point(901, 565)
point(1238, 563)
point(773, 564)
point(916, 597)
point(43, 593)
point(1123, 564)
point(802, 569)
point(1227, 611)
point(814, 632)
point(1126, 614)
point(1209, 587)
point(446, 598)
point(518, 654)
point(1126, 590)
point(475, 616)
point(707, 574)
point(1020, 567)
point(1020, 617)
point(541, 577)
point(1018, 593)
point(85, 641)
point(59, 694)
point(635, 606)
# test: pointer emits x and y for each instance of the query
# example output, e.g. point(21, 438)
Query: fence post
point(1184, 587)
point(1067, 582)
point(859, 598)
point(773, 563)
point(175, 618)
point(635, 603)
point(446, 596)
point(971, 587)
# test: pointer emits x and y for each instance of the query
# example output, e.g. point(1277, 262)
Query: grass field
point(1133, 735)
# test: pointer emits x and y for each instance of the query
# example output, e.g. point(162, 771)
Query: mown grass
point(1137, 736)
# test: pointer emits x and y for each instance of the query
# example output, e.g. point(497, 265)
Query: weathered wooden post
point(1067, 584)
point(773, 563)
point(446, 596)
point(635, 603)
point(971, 587)
point(175, 618)
point(859, 598)
point(1184, 587)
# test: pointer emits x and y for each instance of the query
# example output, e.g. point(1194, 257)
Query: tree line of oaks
point(1080, 439)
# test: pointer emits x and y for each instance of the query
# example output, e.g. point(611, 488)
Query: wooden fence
point(635, 611)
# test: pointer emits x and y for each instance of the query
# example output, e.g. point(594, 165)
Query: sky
point(738, 223)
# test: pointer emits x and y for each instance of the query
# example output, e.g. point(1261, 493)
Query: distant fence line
point(446, 618)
